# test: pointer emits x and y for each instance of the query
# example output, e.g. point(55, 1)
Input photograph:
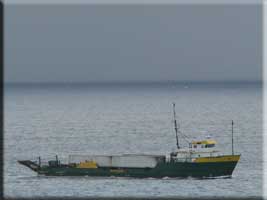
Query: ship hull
point(162, 170)
point(200, 167)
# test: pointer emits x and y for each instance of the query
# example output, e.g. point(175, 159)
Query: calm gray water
point(129, 118)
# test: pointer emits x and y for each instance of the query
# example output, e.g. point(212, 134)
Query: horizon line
point(136, 82)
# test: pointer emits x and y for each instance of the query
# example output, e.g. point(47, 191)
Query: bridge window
point(210, 145)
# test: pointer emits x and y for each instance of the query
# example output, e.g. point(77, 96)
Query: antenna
point(232, 137)
point(175, 127)
point(39, 158)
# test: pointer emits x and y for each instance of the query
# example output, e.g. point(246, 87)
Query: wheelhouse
point(202, 144)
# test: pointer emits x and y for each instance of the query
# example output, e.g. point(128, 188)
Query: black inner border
point(69, 198)
point(2, 95)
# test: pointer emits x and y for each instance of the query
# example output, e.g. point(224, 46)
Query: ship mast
point(232, 137)
point(175, 126)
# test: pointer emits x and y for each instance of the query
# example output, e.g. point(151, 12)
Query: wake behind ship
point(200, 159)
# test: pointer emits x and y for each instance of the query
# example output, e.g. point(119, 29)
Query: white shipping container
point(138, 161)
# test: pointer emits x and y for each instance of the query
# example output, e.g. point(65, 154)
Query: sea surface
point(112, 118)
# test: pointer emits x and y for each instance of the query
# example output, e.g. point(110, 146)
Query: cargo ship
point(200, 160)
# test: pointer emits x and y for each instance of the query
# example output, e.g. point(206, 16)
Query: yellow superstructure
point(204, 142)
point(87, 164)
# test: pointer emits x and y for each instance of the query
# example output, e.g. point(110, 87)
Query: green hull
point(212, 169)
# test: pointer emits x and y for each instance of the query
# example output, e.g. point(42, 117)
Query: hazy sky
point(80, 43)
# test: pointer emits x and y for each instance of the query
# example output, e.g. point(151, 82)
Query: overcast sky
point(84, 43)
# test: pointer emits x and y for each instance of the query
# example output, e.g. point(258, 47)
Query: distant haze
point(84, 43)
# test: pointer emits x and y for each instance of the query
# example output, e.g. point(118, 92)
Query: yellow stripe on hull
point(117, 170)
point(226, 158)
